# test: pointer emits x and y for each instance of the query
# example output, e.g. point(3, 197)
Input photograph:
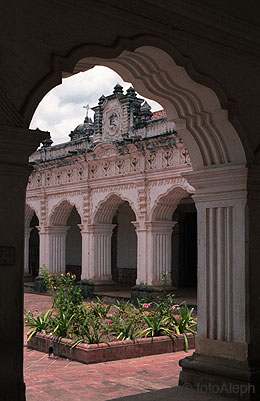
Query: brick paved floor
point(149, 378)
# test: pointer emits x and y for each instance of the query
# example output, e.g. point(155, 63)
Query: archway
point(63, 240)
point(184, 245)
point(31, 244)
point(219, 177)
point(113, 257)
point(124, 246)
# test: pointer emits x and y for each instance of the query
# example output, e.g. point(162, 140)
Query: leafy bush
point(98, 321)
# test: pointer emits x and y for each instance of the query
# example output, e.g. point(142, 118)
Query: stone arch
point(29, 212)
point(194, 108)
point(107, 207)
point(61, 211)
point(167, 202)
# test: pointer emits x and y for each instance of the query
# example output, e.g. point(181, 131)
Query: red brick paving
point(148, 378)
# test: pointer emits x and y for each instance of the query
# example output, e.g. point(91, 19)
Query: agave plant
point(38, 324)
point(157, 326)
point(62, 323)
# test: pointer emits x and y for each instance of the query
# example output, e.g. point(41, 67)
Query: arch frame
point(54, 217)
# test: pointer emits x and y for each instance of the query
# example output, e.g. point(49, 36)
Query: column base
point(39, 286)
point(27, 278)
point(149, 293)
point(86, 287)
point(103, 283)
point(222, 376)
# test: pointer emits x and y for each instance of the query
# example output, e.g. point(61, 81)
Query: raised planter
point(93, 353)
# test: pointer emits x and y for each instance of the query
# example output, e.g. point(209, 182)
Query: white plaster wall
point(126, 238)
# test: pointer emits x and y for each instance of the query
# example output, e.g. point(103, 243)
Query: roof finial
point(87, 109)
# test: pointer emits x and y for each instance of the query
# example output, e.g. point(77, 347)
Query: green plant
point(90, 330)
point(124, 308)
point(127, 330)
point(38, 324)
point(164, 304)
point(99, 309)
point(157, 326)
point(66, 295)
point(62, 323)
point(182, 322)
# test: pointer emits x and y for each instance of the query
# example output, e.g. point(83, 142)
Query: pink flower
point(174, 307)
point(146, 306)
point(110, 321)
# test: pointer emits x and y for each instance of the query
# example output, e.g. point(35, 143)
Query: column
point(100, 253)
point(43, 249)
point(56, 247)
point(224, 328)
point(85, 263)
point(141, 233)
point(26, 249)
point(16, 145)
point(159, 251)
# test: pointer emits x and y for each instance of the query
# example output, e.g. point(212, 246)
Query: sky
point(61, 110)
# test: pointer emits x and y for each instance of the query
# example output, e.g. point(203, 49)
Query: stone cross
point(87, 109)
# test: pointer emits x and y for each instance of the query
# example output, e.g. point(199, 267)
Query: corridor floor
point(149, 378)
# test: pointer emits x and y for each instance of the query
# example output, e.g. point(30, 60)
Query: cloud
point(61, 110)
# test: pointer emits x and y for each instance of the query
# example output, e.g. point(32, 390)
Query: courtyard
point(56, 379)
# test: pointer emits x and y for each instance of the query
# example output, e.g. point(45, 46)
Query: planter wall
point(93, 353)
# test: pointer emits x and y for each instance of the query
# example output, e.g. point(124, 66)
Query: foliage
point(89, 330)
point(164, 305)
point(38, 324)
point(65, 294)
point(156, 326)
point(127, 330)
point(98, 321)
point(99, 309)
point(62, 323)
point(183, 322)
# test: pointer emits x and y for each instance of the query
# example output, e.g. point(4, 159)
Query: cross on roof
point(87, 109)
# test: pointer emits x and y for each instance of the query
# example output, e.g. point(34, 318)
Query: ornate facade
point(128, 162)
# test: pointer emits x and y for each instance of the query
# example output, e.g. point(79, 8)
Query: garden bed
point(103, 352)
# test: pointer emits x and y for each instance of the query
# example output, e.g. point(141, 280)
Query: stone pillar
point(85, 262)
point(223, 342)
point(159, 251)
point(56, 248)
point(26, 249)
point(43, 249)
point(16, 145)
point(141, 233)
point(100, 253)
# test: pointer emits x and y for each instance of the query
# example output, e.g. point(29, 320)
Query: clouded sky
point(61, 110)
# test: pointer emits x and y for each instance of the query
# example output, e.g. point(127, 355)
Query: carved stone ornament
point(112, 119)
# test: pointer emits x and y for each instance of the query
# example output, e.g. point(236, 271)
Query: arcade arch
point(62, 240)
point(31, 243)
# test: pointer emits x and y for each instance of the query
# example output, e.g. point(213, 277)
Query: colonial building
point(102, 205)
